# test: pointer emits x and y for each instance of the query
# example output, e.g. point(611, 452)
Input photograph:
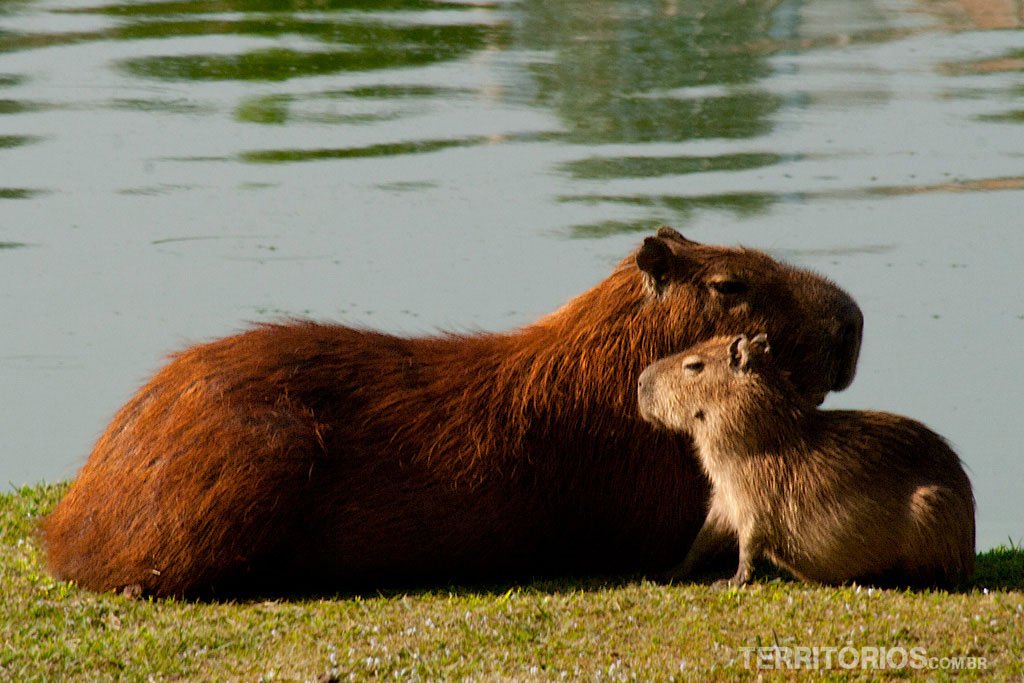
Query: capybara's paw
point(132, 591)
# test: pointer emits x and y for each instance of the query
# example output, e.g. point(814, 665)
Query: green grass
point(585, 629)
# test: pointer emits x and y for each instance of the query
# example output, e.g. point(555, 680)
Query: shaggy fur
point(307, 456)
point(829, 495)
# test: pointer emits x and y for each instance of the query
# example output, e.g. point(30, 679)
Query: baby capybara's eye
point(694, 366)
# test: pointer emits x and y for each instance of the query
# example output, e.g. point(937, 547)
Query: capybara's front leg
point(750, 548)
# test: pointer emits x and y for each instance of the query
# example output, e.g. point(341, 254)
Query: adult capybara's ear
point(662, 256)
point(669, 233)
point(655, 260)
point(759, 346)
point(746, 354)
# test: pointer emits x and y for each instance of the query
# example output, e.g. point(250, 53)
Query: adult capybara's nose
point(851, 330)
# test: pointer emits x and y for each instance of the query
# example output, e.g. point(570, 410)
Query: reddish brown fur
point(303, 454)
point(830, 495)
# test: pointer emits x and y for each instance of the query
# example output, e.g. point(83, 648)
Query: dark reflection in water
point(617, 64)
point(656, 166)
point(12, 107)
point(7, 141)
point(679, 206)
point(19, 193)
point(159, 9)
point(19, 107)
point(16, 106)
point(163, 106)
point(376, 50)
point(622, 73)
point(361, 44)
point(279, 109)
point(382, 150)
point(1015, 116)
point(1010, 62)
point(654, 73)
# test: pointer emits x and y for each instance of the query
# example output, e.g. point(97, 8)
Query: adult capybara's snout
point(850, 325)
point(823, 356)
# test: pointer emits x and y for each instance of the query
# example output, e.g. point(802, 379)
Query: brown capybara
point(829, 495)
point(306, 456)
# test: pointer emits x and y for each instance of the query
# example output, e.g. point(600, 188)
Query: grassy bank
point(50, 630)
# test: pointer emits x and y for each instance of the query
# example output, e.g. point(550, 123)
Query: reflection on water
point(981, 14)
point(358, 45)
point(277, 64)
point(652, 167)
point(476, 163)
point(614, 68)
point(284, 7)
point(680, 208)
point(160, 105)
point(19, 193)
point(381, 150)
point(16, 140)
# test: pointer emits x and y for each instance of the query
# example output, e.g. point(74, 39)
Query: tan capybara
point(829, 495)
point(314, 457)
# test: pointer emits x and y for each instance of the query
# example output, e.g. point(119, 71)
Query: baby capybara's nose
point(644, 381)
point(644, 387)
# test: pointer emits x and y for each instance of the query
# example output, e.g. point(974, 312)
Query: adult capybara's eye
point(729, 286)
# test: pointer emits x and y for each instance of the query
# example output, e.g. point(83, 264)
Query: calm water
point(171, 170)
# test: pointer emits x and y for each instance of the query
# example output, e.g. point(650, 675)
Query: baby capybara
point(307, 456)
point(829, 495)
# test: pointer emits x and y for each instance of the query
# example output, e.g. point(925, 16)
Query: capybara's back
point(912, 497)
point(304, 456)
point(830, 495)
point(193, 472)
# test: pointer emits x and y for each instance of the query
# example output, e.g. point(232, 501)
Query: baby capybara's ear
point(738, 356)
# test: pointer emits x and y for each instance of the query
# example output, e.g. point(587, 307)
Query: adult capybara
point(310, 456)
point(830, 495)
